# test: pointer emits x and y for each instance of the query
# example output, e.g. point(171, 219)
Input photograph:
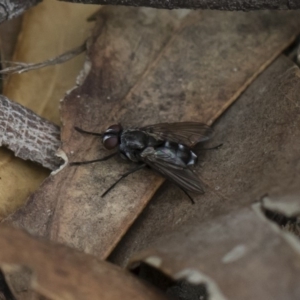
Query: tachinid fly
point(165, 147)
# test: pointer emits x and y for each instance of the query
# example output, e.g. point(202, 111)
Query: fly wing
point(164, 160)
point(187, 133)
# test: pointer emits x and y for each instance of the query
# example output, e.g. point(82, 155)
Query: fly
point(164, 147)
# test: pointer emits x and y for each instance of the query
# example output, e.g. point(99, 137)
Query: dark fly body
point(165, 147)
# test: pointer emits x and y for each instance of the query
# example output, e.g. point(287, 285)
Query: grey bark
point(12, 8)
point(28, 135)
point(244, 5)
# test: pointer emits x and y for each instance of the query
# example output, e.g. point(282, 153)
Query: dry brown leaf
point(48, 29)
point(59, 272)
point(145, 67)
point(240, 255)
point(260, 154)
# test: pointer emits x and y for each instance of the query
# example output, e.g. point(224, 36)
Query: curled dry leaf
point(28, 135)
point(59, 272)
point(283, 200)
point(202, 4)
point(237, 256)
point(144, 67)
point(260, 153)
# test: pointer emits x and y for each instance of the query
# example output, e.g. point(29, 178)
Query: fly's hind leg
point(192, 200)
point(139, 167)
point(213, 148)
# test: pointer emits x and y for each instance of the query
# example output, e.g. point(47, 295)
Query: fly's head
point(111, 136)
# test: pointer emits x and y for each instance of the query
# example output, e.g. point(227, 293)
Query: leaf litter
point(150, 66)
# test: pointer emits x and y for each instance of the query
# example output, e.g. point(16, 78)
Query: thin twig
point(21, 67)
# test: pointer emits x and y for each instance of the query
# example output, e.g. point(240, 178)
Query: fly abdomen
point(193, 159)
point(186, 154)
point(182, 152)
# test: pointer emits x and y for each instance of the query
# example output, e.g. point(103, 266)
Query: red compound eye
point(110, 142)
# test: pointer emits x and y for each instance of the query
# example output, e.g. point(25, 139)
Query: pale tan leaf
point(48, 30)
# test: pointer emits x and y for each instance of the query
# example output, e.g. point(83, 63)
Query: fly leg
point(87, 132)
point(77, 163)
point(192, 200)
point(213, 148)
point(139, 167)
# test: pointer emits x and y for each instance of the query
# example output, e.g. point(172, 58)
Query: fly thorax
point(134, 139)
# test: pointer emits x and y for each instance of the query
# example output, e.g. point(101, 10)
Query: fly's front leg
point(77, 163)
point(87, 132)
